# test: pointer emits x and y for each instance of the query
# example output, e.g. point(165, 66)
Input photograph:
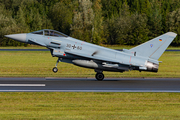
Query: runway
point(89, 85)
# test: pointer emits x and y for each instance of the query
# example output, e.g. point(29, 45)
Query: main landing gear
point(99, 75)
point(55, 69)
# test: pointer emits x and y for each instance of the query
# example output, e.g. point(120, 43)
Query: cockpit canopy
point(48, 32)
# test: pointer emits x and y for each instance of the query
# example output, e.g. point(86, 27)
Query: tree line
point(122, 22)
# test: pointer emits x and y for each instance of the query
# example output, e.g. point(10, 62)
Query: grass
point(40, 64)
point(79, 105)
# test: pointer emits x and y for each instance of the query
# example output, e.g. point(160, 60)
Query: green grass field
point(88, 106)
point(40, 64)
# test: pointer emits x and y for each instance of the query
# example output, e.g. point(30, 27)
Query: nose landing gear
point(55, 69)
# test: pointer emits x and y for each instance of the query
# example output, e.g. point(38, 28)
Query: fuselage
point(83, 53)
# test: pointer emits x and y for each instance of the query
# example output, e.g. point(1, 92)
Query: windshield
point(38, 32)
point(50, 33)
point(54, 33)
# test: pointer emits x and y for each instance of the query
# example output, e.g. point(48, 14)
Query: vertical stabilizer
point(155, 47)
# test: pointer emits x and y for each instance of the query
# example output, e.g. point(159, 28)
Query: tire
point(99, 76)
point(55, 69)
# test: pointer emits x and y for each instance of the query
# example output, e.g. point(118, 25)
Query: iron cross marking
point(73, 46)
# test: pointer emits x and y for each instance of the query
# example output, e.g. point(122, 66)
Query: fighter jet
point(70, 50)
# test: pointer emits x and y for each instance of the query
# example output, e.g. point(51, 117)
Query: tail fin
point(155, 47)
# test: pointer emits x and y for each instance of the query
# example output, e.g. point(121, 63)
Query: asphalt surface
point(89, 85)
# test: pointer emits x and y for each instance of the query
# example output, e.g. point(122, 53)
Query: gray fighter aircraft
point(70, 50)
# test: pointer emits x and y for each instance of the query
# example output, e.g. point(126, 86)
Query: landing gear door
point(57, 52)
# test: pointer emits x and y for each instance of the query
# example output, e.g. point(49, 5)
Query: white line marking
point(26, 85)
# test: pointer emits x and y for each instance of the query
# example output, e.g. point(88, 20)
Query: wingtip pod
point(171, 34)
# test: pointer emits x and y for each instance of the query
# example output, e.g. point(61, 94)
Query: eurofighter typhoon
point(70, 50)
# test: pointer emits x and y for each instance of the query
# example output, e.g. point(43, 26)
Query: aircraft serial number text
point(74, 47)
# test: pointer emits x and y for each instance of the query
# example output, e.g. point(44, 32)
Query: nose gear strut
point(55, 69)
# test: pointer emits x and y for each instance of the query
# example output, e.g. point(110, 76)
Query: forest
point(102, 22)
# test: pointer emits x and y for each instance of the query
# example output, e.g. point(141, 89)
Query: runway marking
point(24, 85)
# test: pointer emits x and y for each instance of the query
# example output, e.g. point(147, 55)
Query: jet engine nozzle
point(152, 66)
point(18, 37)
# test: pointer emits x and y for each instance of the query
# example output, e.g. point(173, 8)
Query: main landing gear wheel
point(99, 76)
point(55, 69)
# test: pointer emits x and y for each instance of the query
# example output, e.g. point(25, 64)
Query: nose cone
point(19, 37)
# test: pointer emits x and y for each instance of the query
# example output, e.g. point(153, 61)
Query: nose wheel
point(99, 76)
point(55, 69)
